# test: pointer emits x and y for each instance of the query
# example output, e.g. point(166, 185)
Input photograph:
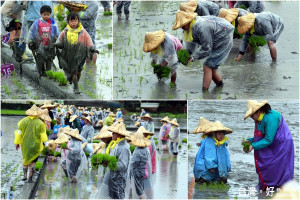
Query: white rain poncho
point(164, 131)
point(87, 132)
point(149, 125)
point(252, 6)
point(116, 183)
point(174, 139)
point(133, 118)
point(76, 160)
point(141, 172)
point(207, 8)
point(267, 25)
point(168, 54)
point(215, 36)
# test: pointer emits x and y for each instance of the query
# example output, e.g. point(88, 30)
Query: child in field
point(174, 137)
point(212, 161)
point(42, 36)
point(76, 45)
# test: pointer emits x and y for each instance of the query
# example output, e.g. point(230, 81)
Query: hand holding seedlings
point(191, 59)
point(164, 64)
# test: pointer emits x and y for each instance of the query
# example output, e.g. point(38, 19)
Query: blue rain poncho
point(207, 8)
point(267, 25)
point(87, 132)
point(116, 183)
point(168, 54)
point(30, 135)
point(215, 36)
point(252, 6)
point(141, 172)
point(210, 156)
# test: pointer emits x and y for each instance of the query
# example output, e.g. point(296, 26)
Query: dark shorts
point(164, 142)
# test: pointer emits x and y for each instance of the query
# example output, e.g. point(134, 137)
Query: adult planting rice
point(215, 36)
point(251, 6)
point(273, 145)
point(202, 8)
point(174, 137)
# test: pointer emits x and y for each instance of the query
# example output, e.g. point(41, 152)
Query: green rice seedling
point(237, 34)
point(161, 71)
point(38, 165)
point(155, 138)
point(87, 154)
point(132, 147)
point(50, 74)
point(179, 146)
point(53, 122)
point(109, 45)
point(168, 136)
point(48, 132)
point(256, 41)
point(107, 13)
point(45, 151)
point(183, 56)
point(156, 142)
point(141, 80)
point(172, 85)
point(184, 140)
point(57, 154)
point(245, 145)
point(7, 90)
point(189, 146)
point(51, 152)
point(59, 17)
point(96, 141)
point(63, 145)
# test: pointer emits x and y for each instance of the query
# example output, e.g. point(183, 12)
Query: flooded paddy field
point(254, 76)
point(170, 179)
point(231, 114)
point(95, 81)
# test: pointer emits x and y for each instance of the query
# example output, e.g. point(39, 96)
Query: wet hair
point(45, 8)
point(72, 16)
point(266, 108)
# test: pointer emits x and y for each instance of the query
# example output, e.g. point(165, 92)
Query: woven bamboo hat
point(85, 113)
point(119, 128)
point(63, 130)
point(139, 140)
point(74, 133)
point(229, 14)
point(61, 139)
point(143, 130)
point(88, 118)
point(33, 111)
point(45, 115)
point(253, 106)
point(165, 119)
point(70, 111)
point(174, 122)
point(51, 144)
point(107, 110)
point(245, 23)
point(137, 124)
point(190, 6)
point(73, 117)
point(112, 114)
point(203, 125)
point(153, 40)
point(218, 126)
point(98, 147)
point(84, 145)
point(183, 18)
point(147, 116)
point(47, 104)
point(104, 133)
point(120, 120)
point(134, 114)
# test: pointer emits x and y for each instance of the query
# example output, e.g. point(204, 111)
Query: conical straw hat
point(153, 40)
point(74, 133)
point(120, 120)
point(45, 115)
point(147, 116)
point(61, 139)
point(47, 104)
point(165, 119)
point(253, 106)
point(174, 122)
point(98, 147)
point(229, 14)
point(51, 144)
point(137, 124)
point(190, 6)
point(139, 140)
point(203, 125)
point(73, 117)
point(85, 113)
point(183, 18)
point(63, 130)
point(70, 111)
point(119, 128)
point(245, 23)
point(100, 121)
point(218, 126)
point(84, 145)
point(88, 118)
point(112, 114)
point(33, 111)
point(104, 133)
point(143, 130)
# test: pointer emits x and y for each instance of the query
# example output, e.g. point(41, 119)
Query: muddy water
point(255, 77)
point(10, 158)
point(231, 114)
point(96, 80)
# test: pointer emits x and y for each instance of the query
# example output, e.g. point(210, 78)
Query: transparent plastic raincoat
point(116, 183)
point(87, 132)
point(164, 131)
point(149, 125)
point(267, 25)
point(168, 54)
point(252, 6)
point(207, 8)
point(141, 172)
point(174, 139)
point(30, 135)
point(215, 35)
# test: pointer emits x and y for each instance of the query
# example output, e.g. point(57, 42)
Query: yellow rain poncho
point(108, 121)
point(30, 135)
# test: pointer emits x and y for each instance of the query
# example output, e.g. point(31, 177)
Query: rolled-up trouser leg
point(126, 7)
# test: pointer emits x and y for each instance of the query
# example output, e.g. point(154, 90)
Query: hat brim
point(251, 112)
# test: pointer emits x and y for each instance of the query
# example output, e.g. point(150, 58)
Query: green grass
point(13, 112)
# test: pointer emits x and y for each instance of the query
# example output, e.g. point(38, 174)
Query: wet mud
point(254, 76)
point(231, 114)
